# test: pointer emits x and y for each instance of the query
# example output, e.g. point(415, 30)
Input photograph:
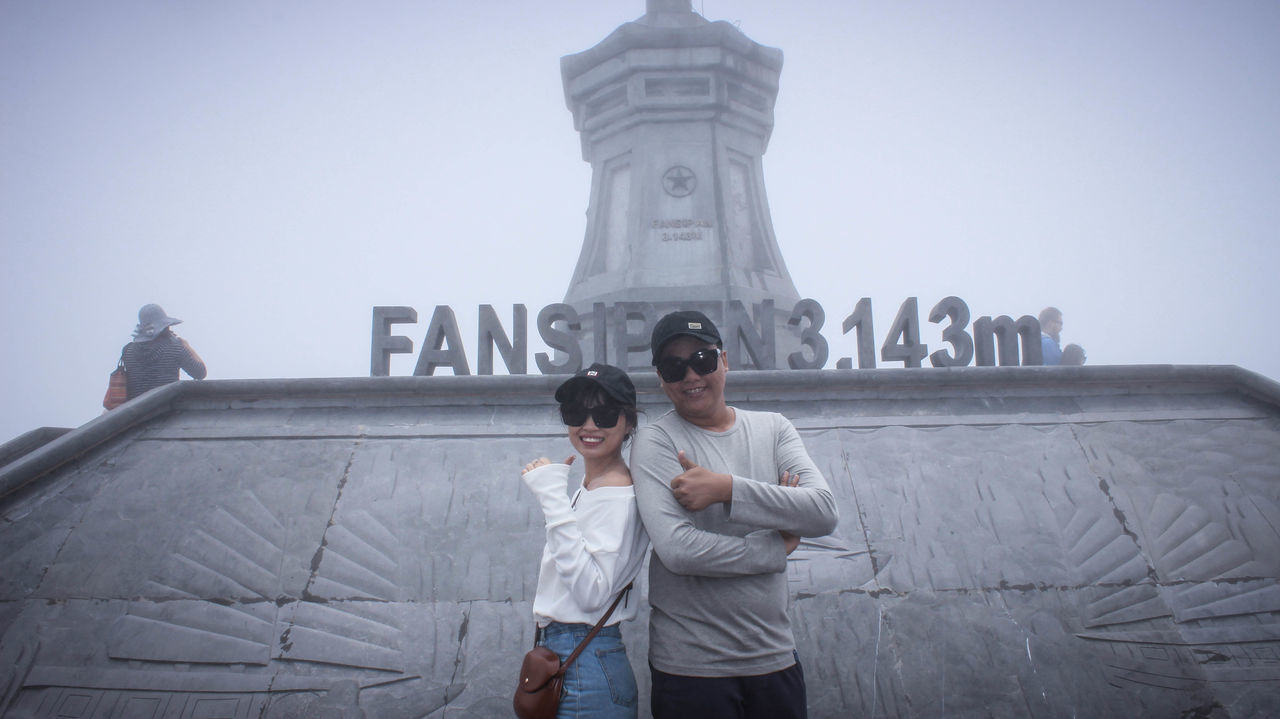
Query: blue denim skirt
point(600, 682)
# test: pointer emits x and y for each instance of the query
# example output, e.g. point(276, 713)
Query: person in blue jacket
point(1050, 335)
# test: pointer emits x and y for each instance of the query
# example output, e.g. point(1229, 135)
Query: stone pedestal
point(1044, 542)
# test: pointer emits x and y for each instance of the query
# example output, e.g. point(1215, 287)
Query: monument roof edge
point(515, 389)
point(1134, 379)
point(634, 35)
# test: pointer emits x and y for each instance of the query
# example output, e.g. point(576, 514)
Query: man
point(725, 495)
point(1050, 329)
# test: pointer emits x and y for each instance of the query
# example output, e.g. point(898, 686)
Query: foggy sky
point(269, 172)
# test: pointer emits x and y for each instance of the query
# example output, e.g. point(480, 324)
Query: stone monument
point(675, 113)
point(1044, 542)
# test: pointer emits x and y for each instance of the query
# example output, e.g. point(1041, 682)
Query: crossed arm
point(671, 487)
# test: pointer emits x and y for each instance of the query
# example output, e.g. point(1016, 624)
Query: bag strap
point(594, 630)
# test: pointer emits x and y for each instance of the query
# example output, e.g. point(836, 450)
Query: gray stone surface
point(29, 442)
point(675, 114)
point(1047, 542)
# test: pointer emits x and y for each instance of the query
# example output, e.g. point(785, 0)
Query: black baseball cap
point(612, 380)
point(683, 322)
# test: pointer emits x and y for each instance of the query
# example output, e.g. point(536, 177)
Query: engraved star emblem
point(679, 181)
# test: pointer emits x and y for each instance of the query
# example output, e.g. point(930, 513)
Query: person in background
point(156, 354)
point(1073, 355)
point(1050, 331)
point(595, 544)
point(725, 494)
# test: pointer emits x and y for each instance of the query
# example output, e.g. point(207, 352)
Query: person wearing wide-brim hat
point(156, 354)
point(595, 545)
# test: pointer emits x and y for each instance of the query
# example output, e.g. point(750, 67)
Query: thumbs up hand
point(698, 487)
point(686, 463)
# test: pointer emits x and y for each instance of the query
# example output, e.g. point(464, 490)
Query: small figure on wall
point(1073, 355)
point(1050, 335)
point(156, 354)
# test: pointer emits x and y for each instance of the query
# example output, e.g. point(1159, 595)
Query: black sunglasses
point(704, 361)
point(604, 415)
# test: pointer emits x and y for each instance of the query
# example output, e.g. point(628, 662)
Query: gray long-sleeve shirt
point(717, 578)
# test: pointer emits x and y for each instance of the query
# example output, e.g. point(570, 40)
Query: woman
point(154, 356)
point(595, 543)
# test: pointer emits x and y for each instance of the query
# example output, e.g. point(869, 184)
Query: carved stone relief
point(985, 565)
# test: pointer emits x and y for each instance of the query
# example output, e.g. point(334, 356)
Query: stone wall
point(1047, 542)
